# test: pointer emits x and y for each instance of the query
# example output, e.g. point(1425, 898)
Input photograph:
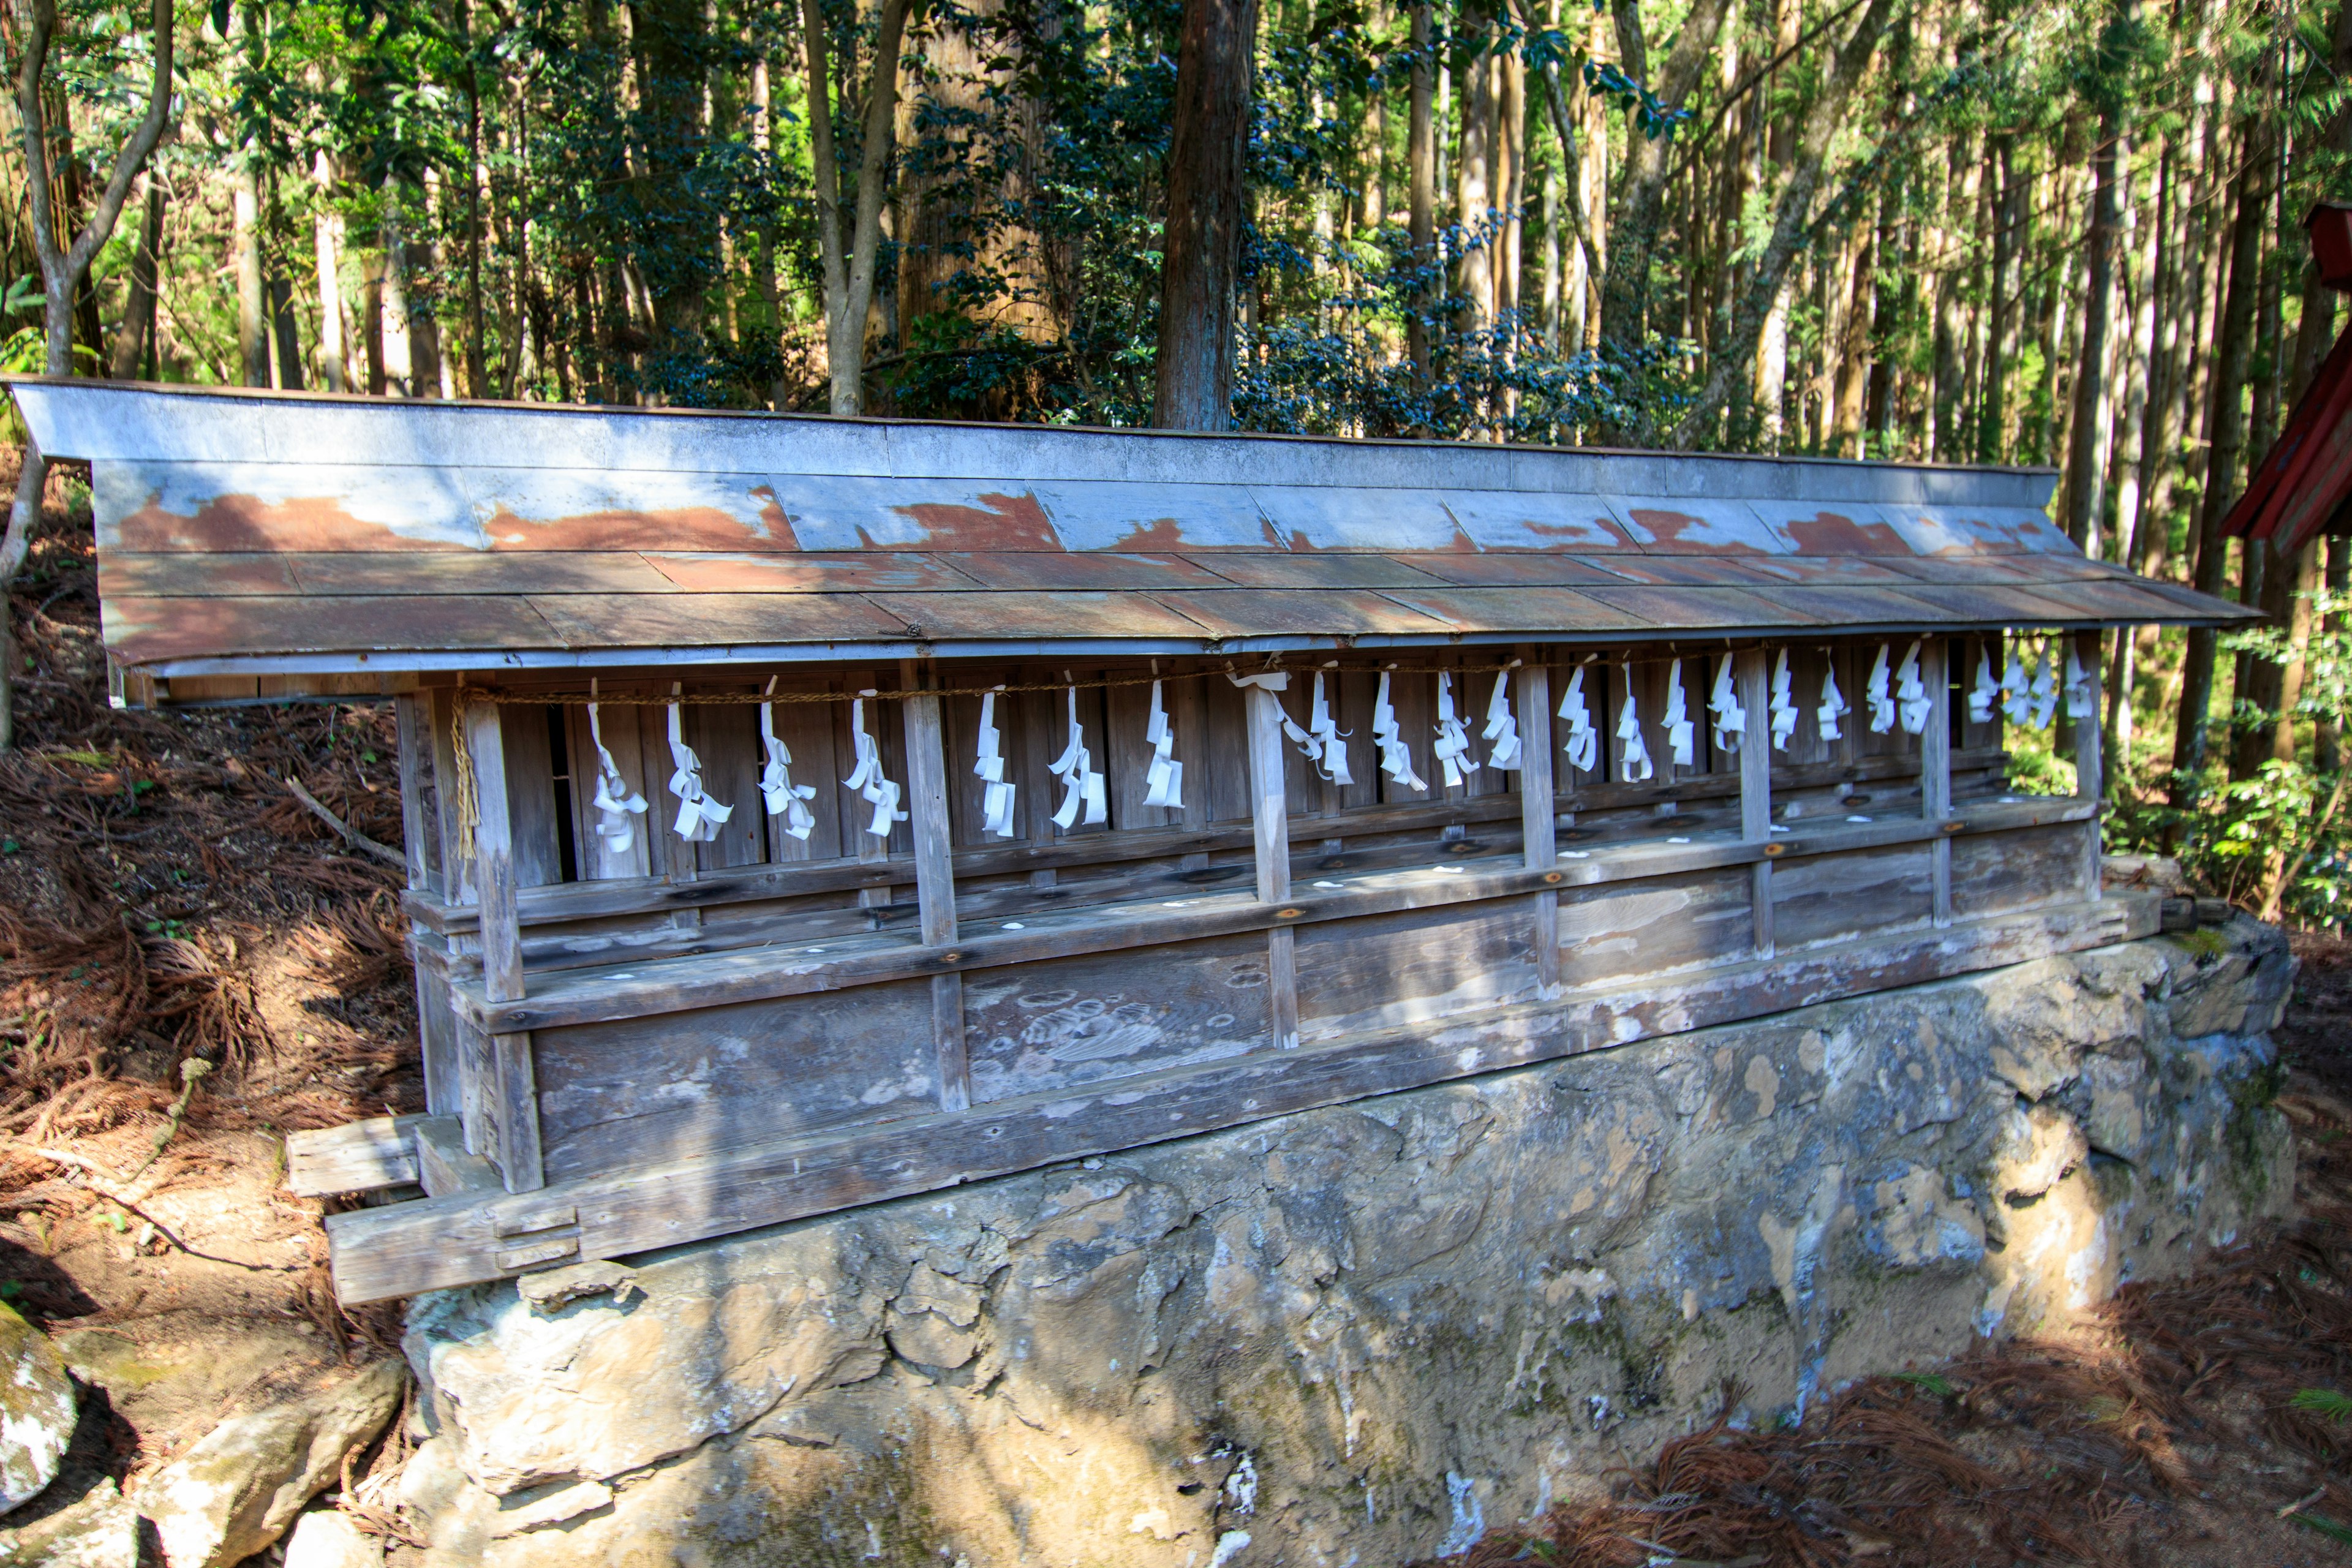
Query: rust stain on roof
point(229, 524)
point(682, 528)
point(1832, 533)
point(998, 522)
point(1670, 527)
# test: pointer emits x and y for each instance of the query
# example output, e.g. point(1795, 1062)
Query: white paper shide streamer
point(1730, 720)
point(988, 766)
point(867, 780)
point(1783, 704)
point(1882, 702)
point(1163, 781)
point(1452, 744)
point(2017, 701)
point(1986, 692)
point(1325, 744)
point(2082, 690)
point(1911, 693)
point(1502, 731)
point(1396, 754)
point(2044, 691)
point(783, 798)
point(1680, 731)
point(1833, 707)
point(1082, 786)
point(616, 801)
point(699, 817)
point(1584, 739)
point(1633, 764)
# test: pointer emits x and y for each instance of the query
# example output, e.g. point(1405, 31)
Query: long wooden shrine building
point(803, 812)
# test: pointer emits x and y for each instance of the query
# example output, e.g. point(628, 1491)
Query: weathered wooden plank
point(927, 799)
point(477, 1099)
point(635, 1092)
point(1752, 686)
point(1268, 781)
point(437, 1025)
point(726, 737)
point(1936, 770)
point(1066, 1023)
point(531, 794)
point(358, 1157)
point(1414, 966)
point(1837, 897)
point(438, 1147)
point(413, 718)
point(583, 995)
point(1655, 925)
point(1999, 873)
point(806, 731)
point(494, 862)
point(953, 1067)
point(1539, 826)
point(457, 870)
point(2090, 767)
point(400, 1249)
point(518, 1154)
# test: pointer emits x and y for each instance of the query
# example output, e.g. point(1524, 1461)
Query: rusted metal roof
point(248, 532)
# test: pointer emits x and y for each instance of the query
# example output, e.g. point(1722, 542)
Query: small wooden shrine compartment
point(629, 1048)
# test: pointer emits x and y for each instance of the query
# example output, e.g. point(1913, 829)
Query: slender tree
point(1200, 264)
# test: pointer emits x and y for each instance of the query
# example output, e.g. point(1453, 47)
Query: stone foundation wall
point(1362, 1334)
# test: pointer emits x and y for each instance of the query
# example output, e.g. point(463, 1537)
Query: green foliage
point(2325, 1403)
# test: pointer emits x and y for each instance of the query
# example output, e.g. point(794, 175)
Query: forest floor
point(164, 897)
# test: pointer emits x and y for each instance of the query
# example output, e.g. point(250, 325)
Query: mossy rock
point(37, 1410)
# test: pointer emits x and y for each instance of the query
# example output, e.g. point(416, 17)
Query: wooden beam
point(563, 997)
point(457, 871)
point(412, 716)
point(494, 876)
point(1936, 767)
point(1270, 827)
point(1538, 814)
point(927, 807)
point(518, 1112)
point(357, 1157)
point(443, 1166)
point(403, 1248)
point(1752, 684)
point(2090, 760)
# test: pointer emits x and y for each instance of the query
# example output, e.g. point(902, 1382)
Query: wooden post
point(1270, 815)
point(1539, 835)
point(1752, 684)
point(926, 805)
point(1935, 768)
point(515, 1093)
point(434, 1034)
point(456, 872)
point(2090, 762)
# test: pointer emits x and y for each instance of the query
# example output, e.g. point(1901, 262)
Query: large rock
point(99, 1531)
point(1366, 1332)
point(324, 1538)
point(245, 1481)
point(37, 1410)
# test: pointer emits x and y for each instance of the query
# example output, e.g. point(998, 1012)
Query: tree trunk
point(1626, 289)
point(2086, 456)
point(331, 343)
point(1201, 266)
point(287, 334)
point(252, 316)
point(2225, 429)
point(1473, 197)
point(1421, 191)
point(134, 337)
point(849, 258)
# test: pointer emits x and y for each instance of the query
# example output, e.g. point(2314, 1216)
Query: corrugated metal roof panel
point(1280, 612)
point(882, 570)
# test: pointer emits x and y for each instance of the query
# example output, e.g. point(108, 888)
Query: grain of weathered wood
point(1269, 813)
point(517, 1092)
point(494, 868)
point(1837, 897)
point(411, 715)
point(952, 1066)
point(1999, 873)
point(583, 995)
point(402, 1250)
point(437, 1025)
point(1538, 807)
point(1751, 682)
point(726, 740)
point(1936, 770)
point(444, 1168)
point(1655, 925)
point(530, 796)
point(477, 1101)
point(458, 889)
point(926, 797)
point(1414, 966)
point(357, 1157)
point(2089, 766)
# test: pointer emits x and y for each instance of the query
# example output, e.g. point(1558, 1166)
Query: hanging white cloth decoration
point(1583, 741)
point(1396, 754)
point(1882, 702)
point(1452, 744)
point(1833, 705)
point(1911, 692)
point(699, 817)
point(988, 764)
point(1633, 752)
point(1783, 704)
point(2082, 690)
point(783, 798)
point(1327, 745)
point(1502, 731)
point(2017, 705)
point(1075, 768)
point(1680, 732)
point(1731, 725)
point(2045, 692)
point(867, 781)
point(1163, 781)
point(1985, 692)
point(616, 801)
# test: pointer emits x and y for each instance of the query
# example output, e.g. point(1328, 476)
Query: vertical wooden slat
point(412, 717)
point(516, 1094)
point(2090, 763)
point(927, 807)
point(1751, 683)
point(456, 872)
point(1537, 829)
point(1936, 767)
point(1270, 814)
point(436, 1039)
